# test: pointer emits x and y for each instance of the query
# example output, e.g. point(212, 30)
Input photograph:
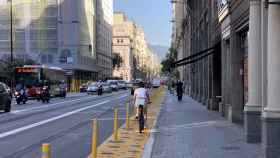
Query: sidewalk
point(187, 130)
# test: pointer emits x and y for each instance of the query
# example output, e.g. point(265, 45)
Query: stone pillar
point(271, 114)
point(253, 107)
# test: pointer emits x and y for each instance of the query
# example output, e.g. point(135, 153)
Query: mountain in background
point(161, 51)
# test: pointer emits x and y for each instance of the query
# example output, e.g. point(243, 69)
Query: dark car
point(83, 88)
point(5, 98)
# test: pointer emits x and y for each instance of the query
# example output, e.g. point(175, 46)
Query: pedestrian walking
point(179, 89)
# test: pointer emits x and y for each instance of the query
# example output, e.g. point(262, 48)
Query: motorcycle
point(45, 94)
point(21, 96)
point(100, 90)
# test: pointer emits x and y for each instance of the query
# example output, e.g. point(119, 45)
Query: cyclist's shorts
point(140, 101)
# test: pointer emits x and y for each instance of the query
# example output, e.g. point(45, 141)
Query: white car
point(156, 83)
point(122, 84)
point(113, 84)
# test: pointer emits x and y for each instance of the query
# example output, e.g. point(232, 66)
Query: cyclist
point(141, 97)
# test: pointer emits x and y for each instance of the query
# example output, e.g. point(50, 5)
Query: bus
point(34, 76)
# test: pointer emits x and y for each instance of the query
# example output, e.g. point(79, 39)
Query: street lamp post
point(11, 43)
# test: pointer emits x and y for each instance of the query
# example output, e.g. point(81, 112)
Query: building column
point(271, 114)
point(253, 108)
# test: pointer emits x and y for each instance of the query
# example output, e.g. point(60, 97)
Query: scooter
point(20, 96)
point(45, 94)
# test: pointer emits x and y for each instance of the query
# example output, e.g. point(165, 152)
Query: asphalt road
point(64, 123)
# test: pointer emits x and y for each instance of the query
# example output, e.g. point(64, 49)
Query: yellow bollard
point(46, 153)
point(116, 124)
point(127, 116)
point(94, 138)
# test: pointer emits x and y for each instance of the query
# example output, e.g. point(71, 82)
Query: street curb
point(148, 148)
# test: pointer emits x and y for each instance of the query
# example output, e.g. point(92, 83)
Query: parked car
point(93, 88)
point(122, 84)
point(106, 88)
point(5, 98)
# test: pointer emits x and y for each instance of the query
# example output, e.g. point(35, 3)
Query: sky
point(152, 15)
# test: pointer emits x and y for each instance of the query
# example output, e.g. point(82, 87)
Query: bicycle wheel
point(141, 119)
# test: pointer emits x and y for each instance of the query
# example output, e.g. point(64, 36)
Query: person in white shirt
point(141, 97)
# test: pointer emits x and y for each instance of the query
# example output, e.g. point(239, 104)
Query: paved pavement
point(187, 130)
point(64, 123)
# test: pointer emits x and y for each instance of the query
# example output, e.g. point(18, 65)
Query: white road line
point(49, 105)
point(46, 106)
point(123, 96)
point(24, 128)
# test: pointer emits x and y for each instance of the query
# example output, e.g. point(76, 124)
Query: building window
point(50, 58)
point(221, 4)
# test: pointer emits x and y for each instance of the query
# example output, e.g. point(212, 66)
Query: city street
point(64, 123)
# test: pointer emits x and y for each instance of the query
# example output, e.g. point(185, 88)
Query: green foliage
point(117, 60)
point(167, 63)
point(7, 68)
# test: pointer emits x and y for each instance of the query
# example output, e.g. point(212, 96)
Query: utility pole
point(11, 42)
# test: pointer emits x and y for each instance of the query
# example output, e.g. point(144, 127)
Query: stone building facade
point(199, 31)
point(139, 61)
point(240, 78)
point(104, 28)
point(123, 44)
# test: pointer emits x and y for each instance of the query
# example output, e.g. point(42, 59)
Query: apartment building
point(123, 44)
point(104, 24)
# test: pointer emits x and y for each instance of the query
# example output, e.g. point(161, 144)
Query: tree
point(167, 63)
point(117, 60)
point(8, 68)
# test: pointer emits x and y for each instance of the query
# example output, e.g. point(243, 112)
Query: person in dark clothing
point(132, 91)
point(179, 89)
point(100, 90)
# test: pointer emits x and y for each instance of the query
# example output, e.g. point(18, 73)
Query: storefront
point(244, 49)
point(77, 77)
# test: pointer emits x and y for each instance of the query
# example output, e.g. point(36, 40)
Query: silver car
point(106, 88)
point(114, 85)
point(122, 85)
point(93, 88)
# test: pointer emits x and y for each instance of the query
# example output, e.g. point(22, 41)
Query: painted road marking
point(24, 128)
point(123, 96)
point(49, 105)
point(46, 106)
